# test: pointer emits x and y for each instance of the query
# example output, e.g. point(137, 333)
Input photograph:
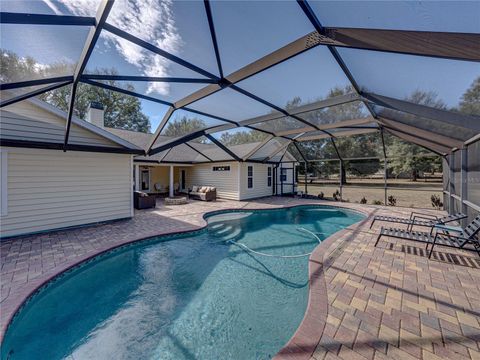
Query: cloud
point(150, 20)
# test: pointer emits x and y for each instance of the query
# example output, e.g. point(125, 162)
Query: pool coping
point(306, 338)
point(303, 342)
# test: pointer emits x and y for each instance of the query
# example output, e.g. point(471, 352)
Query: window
point(3, 183)
point(250, 177)
point(269, 177)
point(221, 168)
point(283, 175)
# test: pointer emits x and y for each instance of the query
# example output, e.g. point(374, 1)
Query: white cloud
point(150, 20)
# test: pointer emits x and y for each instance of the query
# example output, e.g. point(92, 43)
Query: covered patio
point(161, 179)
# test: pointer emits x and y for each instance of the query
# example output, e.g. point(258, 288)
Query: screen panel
point(434, 82)
point(114, 55)
point(318, 149)
point(355, 110)
point(59, 7)
point(305, 78)
point(247, 31)
point(473, 173)
point(452, 131)
point(30, 52)
point(178, 27)
point(230, 104)
point(450, 16)
point(183, 122)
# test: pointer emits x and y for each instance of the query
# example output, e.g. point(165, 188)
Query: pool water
point(197, 296)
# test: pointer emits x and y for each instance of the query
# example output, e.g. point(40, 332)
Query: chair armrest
point(455, 237)
point(424, 218)
point(457, 229)
point(416, 214)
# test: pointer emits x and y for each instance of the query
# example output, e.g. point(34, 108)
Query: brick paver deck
point(388, 302)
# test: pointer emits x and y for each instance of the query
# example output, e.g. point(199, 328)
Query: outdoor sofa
point(142, 200)
point(204, 193)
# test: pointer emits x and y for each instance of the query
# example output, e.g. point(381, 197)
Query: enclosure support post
point(305, 170)
point(281, 179)
point(341, 180)
point(385, 174)
point(451, 180)
point(137, 177)
point(385, 179)
point(171, 190)
point(463, 182)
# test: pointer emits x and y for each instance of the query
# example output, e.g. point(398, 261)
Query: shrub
point(377, 202)
point(321, 195)
point(436, 202)
point(336, 195)
point(363, 200)
point(392, 200)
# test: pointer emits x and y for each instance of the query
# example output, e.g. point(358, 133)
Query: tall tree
point(470, 101)
point(121, 111)
point(242, 137)
point(408, 158)
point(183, 126)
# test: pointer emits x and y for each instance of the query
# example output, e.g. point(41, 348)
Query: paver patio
point(388, 302)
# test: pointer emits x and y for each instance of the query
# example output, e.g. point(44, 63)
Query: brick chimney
point(95, 114)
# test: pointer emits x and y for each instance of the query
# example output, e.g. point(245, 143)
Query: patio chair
point(419, 219)
point(160, 189)
point(465, 239)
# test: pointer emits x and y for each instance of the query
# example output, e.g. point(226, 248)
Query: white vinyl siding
point(3, 182)
point(260, 184)
point(50, 189)
point(226, 182)
point(17, 127)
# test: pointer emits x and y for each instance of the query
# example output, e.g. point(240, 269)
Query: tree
point(408, 158)
point(470, 101)
point(184, 126)
point(121, 111)
point(242, 137)
point(353, 146)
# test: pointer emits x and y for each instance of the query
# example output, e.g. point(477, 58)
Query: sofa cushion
point(203, 189)
point(195, 188)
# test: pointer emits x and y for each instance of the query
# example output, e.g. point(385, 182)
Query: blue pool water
point(194, 296)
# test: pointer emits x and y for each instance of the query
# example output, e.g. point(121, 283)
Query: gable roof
point(85, 124)
point(194, 152)
point(37, 124)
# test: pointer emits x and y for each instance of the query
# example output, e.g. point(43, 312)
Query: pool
point(225, 292)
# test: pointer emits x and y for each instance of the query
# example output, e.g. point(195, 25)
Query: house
point(45, 188)
point(205, 164)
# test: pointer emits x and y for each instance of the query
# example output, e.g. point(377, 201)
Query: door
point(145, 180)
point(183, 180)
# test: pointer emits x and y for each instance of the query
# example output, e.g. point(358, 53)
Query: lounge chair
point(419, 219)
point(466, 239)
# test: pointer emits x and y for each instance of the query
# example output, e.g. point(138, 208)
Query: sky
point(247, 31)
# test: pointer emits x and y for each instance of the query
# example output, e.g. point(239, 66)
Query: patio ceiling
point(297, 80)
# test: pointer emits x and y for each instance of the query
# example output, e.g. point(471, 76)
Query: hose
point(245, 247)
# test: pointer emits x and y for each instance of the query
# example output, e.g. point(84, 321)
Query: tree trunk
point(414, 175)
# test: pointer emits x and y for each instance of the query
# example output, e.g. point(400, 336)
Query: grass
point(407, 193)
